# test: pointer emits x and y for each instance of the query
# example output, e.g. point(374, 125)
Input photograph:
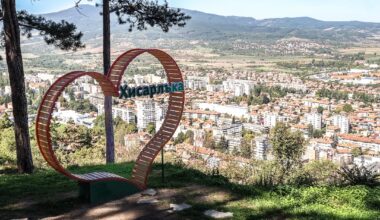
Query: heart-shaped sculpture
point(110, 84)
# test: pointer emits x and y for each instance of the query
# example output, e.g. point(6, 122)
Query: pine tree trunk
point(110, 144)
point(17, 81)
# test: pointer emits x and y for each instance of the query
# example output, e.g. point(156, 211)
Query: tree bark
point(17, 81)
point(110, 144)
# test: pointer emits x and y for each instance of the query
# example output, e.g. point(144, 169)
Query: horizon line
point(210, 13)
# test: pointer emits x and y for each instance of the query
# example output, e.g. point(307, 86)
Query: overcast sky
point(329, 10)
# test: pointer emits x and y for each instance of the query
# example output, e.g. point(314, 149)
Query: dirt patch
point(127, 208)
point(29, 202)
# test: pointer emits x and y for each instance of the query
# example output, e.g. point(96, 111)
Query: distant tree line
point(81, 106)
point(187, 137)
point(262, 94)
point(332, 94)
point(316, 64)
point(343, 95)
point(341, 62)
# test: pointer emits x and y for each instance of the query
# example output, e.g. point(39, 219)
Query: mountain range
point(217, 30)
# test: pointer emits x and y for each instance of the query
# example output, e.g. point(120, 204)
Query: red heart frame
point(110, 84)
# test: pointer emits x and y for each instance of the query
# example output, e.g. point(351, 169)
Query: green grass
point(45, 190)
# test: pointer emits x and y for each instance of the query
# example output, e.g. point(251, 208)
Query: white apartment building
point(262, 146)
point(342, 122)
point(234, 110)
point(47, 76)
point(71, 115)
point(331, 131)
point(298, 85)
point(195, 84)
point(314, 119)
point(214, 88)
point(139, 80)
point(125, 113)
point(158, 124)
point(227, 129)
point(199, 136)
point(363, 142)
point(90, 88)
point(161, 110)
point(145, 113)
point(97, 100)
point(366, 161)
point(270, 120)
point(322, 148)
point(239, 87)
point(254, 127)
point(239, 90)
point(153, 79)
point(234, 143)
point(243, 89)
point(316, 103)
point(199, 114)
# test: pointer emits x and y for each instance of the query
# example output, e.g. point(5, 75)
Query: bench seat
point(94, 176)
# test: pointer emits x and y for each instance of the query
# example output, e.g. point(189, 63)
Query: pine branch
point(60, 34)
point(142, 13)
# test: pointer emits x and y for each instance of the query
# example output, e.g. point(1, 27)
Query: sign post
point(162, 166)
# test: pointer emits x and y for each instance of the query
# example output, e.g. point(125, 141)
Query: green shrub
point(266, 174)
point(359, 175)
point(322, 172)
point(300, 177)
point(7, 147)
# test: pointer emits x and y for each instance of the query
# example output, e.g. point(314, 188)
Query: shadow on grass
point(177, 176)
point(8, 171)
point(42, 209)
point(47, 193)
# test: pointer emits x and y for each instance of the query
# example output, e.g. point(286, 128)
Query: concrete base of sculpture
point(104, 191)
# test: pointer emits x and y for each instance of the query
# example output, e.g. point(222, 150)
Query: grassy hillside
point(210, 26)
point(46, 193)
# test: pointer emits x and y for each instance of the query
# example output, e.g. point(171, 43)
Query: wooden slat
point(174, 78)
point(158, 142)
point(139, 181)
point(160, 138)
point(141, 170)
point(145, 155)
point(176, 107)
point(171, 124)
point(42, 135)
point(173, 114)
point(168, 128)
point(43, 120)
point(172, 118)
point(169, 133)
point(49, 101)
point(168, 136)
point(137, 175)
point(44, 141)
point(143, 160)
point(142, 166)
point(149, 153)
point(175, 98)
